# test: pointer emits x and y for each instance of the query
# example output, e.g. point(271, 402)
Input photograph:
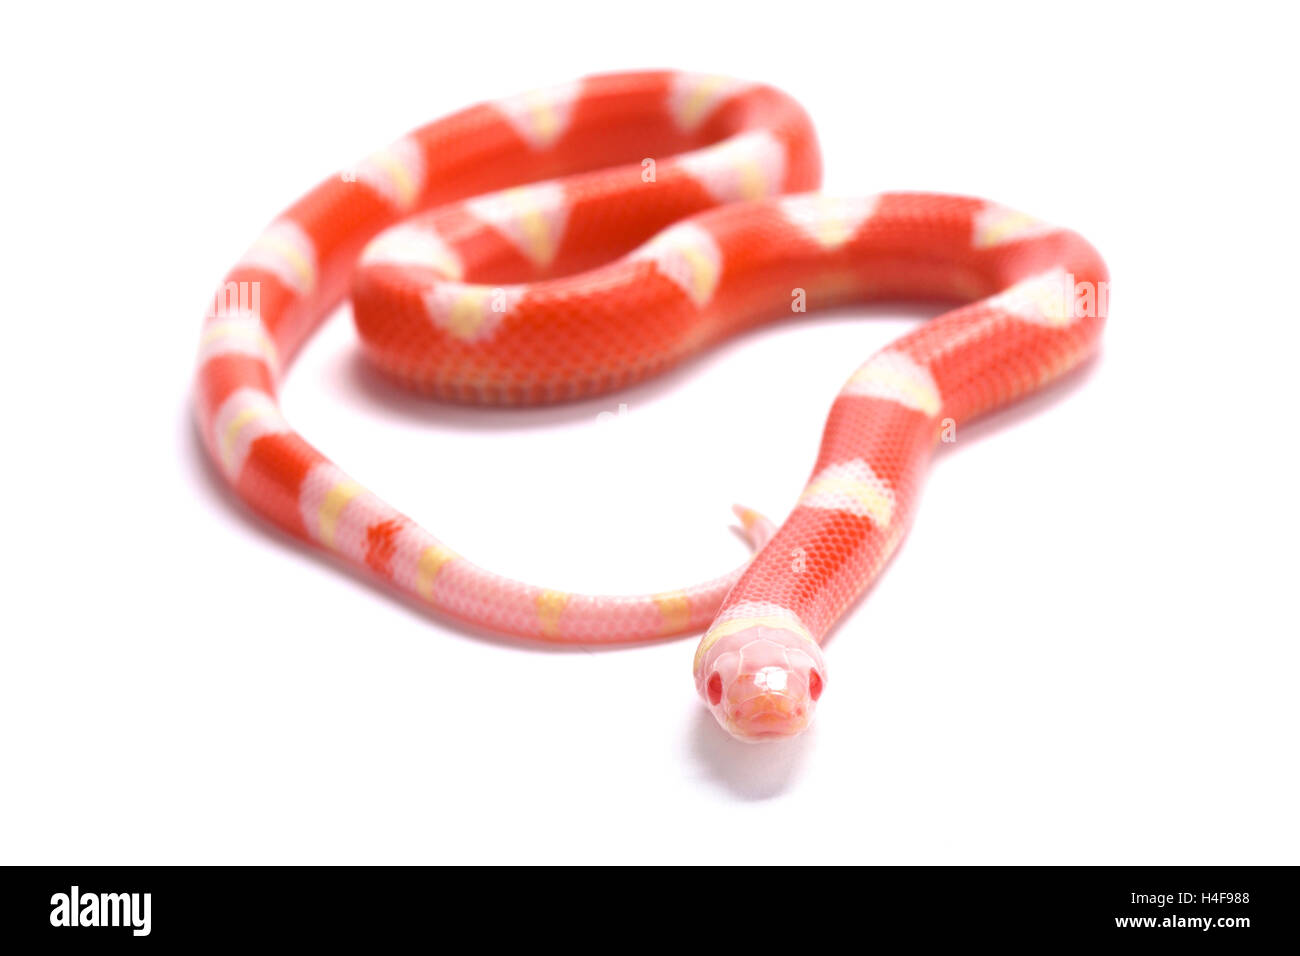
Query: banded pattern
point(666, 205)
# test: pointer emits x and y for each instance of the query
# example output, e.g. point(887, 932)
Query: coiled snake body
point(654, 221)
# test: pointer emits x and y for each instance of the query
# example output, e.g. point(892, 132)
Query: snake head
point(762, 683)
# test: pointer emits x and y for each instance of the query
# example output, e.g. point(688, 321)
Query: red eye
point(815, 685)
point(714, 689)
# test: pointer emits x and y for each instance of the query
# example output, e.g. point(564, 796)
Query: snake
point(561, 244)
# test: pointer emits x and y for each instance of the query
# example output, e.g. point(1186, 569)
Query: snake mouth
point(764, 733)
point(769, 716)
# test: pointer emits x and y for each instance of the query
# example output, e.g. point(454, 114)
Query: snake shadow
point(753, 772)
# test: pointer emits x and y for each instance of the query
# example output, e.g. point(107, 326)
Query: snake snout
point(763, 683)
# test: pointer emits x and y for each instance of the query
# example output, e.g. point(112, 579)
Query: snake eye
point(714, 689)
point(815, 684)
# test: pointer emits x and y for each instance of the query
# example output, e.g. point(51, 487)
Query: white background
point(1086, 651)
